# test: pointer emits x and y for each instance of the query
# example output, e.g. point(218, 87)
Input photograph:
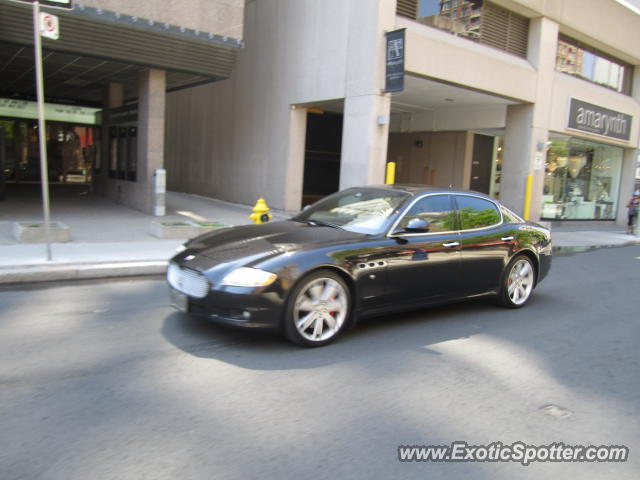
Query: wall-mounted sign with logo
point(601, 121)
point(394, 75)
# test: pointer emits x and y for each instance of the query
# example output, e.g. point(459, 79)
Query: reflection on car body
point(357, 253)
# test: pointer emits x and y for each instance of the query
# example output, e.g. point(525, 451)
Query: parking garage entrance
point(322, 153)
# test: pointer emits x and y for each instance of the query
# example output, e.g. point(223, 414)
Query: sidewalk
point(110, 240)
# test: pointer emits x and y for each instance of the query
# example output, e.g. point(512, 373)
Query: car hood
point(255, 242)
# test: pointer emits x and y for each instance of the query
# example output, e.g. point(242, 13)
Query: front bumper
point(240, 309)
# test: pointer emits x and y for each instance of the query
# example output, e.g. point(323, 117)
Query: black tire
point(518, 282)
point(318, 309)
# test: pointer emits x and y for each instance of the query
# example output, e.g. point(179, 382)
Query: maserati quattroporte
point(357, 253)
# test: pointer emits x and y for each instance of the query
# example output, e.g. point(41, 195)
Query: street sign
point(49, 26)
point(68, 4)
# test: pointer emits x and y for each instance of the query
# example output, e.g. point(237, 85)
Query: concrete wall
point(223, 17)
point(243, 138)
point(541, 94)
point(473, 118)
point(434, 158)
point(437, 54)
point(604, 24)
point(297, 52)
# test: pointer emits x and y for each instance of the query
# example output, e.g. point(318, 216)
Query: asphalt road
point(102, 380)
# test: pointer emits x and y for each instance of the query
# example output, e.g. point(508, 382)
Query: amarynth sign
point(602, 121)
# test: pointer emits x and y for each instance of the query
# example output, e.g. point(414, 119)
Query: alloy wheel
point(520, 281)
point(320, 309)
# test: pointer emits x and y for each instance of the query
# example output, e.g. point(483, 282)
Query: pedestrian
point(632, 208)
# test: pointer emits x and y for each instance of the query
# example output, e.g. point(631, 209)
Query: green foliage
point(471, 218)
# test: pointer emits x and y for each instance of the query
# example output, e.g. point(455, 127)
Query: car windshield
point(360, 210)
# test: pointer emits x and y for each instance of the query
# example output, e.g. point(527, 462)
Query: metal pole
point(42, 136)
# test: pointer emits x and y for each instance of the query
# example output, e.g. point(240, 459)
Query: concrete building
point(534, 102)
point(106, 79)
point(486, 112)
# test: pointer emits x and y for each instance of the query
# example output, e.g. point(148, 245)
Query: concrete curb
point(80, 271)
point(96, 270)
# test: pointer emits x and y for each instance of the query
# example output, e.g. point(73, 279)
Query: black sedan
point(357, 253)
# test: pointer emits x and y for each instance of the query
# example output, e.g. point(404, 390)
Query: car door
point(486, 242)
point(423, 264)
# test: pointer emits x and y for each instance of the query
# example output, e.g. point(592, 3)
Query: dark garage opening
point(322, 155)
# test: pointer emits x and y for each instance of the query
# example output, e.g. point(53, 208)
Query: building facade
point(531, 101)
point(105, 82)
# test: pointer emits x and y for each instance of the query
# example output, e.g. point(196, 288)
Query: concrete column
point(364, 140)
point(113, 97)
point(365, 132)
point(627, 185)
point(630, 160)
point(465, 181)
point(527, 126)
point(151, 121)
point(295, 161)
point(522, 142)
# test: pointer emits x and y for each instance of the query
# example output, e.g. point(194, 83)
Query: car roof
point(416, 189)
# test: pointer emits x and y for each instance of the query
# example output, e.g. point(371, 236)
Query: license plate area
point(179, 300)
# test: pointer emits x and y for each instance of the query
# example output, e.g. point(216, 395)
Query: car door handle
point(507, 239)
point(451, 244)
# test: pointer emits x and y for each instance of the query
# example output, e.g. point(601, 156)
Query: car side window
point(476, 212)
point(435, 209)
point(509, 216)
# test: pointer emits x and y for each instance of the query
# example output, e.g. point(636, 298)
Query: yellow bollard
point(260, 212)
point(391, 173)
point(527, 197)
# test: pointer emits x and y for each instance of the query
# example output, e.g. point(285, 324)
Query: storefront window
point(581, 180)
point(71, 151)
point(123, 143)
point(576, 59)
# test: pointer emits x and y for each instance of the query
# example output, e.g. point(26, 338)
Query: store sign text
point(52, 112)
point(601, 121)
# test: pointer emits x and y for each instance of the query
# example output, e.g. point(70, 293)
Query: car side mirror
point(417, 225)
point(306, 207)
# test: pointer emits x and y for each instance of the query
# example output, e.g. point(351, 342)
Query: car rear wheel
point(518, 282)
point(318, 309)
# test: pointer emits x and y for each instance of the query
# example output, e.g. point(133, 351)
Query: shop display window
point(71, 151)
point(581, 180)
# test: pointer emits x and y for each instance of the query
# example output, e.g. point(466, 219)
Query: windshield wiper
point(324, 224)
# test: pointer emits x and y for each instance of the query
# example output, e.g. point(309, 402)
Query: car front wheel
point(318, 309)
point(518, 282)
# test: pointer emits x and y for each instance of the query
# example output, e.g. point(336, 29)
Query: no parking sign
point(49, 26)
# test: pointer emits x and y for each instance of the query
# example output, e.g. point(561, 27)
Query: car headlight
point(249, 277)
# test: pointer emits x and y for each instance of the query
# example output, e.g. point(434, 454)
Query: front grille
point(187, 281)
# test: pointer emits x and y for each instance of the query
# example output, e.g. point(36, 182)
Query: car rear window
point(475, 212)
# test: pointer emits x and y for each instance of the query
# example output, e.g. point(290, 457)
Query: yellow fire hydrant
point(260, 212)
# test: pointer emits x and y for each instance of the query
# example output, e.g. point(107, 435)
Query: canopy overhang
point(97, 47)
